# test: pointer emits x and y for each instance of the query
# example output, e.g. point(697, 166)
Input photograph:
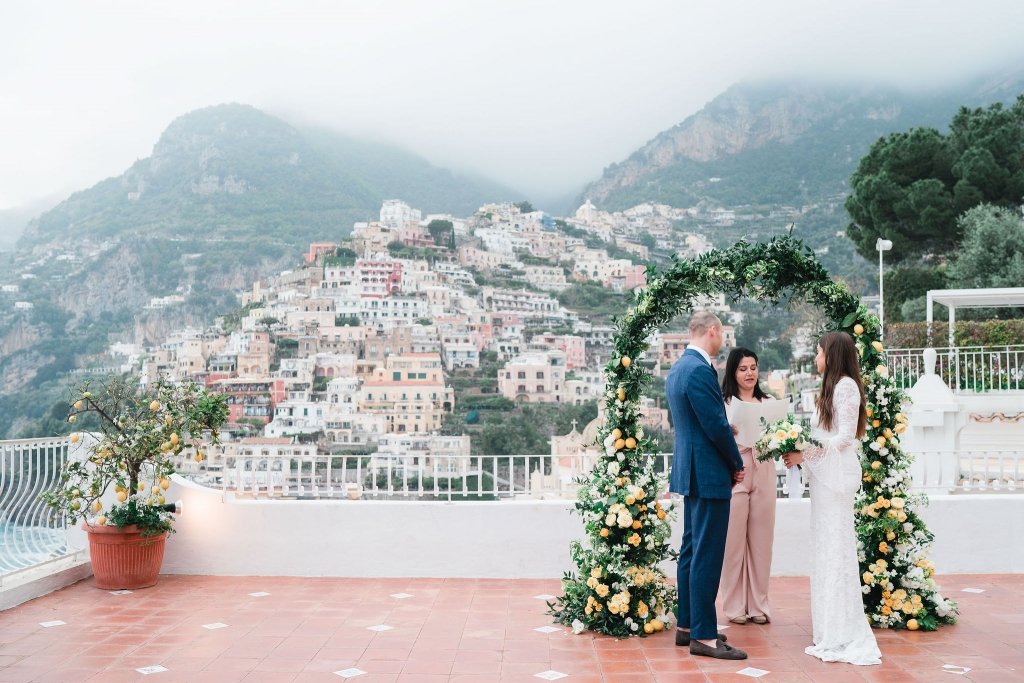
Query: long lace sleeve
point(825, 462)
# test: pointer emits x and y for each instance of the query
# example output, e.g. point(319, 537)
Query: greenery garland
point(619, 588)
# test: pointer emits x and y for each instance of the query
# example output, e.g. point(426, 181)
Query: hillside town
point(355, 350)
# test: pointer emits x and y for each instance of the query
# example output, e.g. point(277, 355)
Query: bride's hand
point(793, 458)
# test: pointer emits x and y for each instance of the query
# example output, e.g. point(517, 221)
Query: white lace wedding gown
point(841, 631)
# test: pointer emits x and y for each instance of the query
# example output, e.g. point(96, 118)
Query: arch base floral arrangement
point(619, 587)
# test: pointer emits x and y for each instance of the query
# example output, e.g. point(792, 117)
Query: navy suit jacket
point(705, 453)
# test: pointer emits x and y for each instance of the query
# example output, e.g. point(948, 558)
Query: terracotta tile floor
point(451, 630)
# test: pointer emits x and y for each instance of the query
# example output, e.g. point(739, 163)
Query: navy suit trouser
point(705, 526)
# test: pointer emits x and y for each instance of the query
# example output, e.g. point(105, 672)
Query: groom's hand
point(737, 476)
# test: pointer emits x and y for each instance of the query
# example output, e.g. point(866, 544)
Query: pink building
point(574, 348)
point(318, 249)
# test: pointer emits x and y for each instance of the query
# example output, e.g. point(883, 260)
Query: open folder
point(746, 417)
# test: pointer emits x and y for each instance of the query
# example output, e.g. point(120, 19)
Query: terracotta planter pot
point(124, 559)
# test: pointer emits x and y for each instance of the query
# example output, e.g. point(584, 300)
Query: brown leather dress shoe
point(683, 638)
point(720, 651)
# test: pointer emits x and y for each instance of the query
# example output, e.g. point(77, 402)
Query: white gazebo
point(1002, 297)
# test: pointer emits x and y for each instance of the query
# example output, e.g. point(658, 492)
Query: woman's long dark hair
point(840, 361)
point(730, 387)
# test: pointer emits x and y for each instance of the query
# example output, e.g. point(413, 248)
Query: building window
point(522, 375)
point(540, 375)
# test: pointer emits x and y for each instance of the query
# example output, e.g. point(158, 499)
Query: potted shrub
point(138, 433)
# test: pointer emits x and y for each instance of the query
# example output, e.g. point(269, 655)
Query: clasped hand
point(793, 458)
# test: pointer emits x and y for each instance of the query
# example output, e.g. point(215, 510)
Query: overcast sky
point(540, 95)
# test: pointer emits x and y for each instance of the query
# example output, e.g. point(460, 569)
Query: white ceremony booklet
point(746, 417)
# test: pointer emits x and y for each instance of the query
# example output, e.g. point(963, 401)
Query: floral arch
point(619, 588)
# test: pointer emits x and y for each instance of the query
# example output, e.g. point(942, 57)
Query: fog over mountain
point(538, 96)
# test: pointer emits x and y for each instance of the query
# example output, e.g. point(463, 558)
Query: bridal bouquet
point(784, 436)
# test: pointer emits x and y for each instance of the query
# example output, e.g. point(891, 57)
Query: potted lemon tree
point(139, 433)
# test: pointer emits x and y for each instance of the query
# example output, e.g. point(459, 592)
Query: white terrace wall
point(528, 539)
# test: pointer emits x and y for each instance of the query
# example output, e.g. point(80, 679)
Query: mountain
point(779, 144)
point(238, 172)
point(14, 220)
point(228, 195)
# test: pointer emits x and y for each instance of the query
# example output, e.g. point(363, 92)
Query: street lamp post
point(882, 246)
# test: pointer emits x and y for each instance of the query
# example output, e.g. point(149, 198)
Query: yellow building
point(409, 390)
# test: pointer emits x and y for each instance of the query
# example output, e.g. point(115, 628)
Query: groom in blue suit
point(705, 465)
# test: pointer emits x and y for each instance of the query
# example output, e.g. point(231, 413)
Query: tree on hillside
point(992, 251)
point(524, 207)
point(907, 284)
point(911, 186)
point(442, 231)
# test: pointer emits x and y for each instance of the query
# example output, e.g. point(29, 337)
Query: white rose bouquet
point(784, 436)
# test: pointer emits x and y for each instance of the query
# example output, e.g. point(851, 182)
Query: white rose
point(578, 626)
point(613, 469)
point(621, 456)
point(609, 520)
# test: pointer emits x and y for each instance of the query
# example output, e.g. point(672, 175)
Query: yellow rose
point(596, 572)
point(604, 532)
point(890, 536)
point(869, 578)
point(876, 465)
point(876, 424)
point(154, 406)
point(883, 547)
point(897, 503)
point(591, 583)
point(630, 500)
point(869, 411)
point(634, 540)
point(882, 371)
point(858, 329)
point(901, 427)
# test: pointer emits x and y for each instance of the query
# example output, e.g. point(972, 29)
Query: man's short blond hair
point(701, 322)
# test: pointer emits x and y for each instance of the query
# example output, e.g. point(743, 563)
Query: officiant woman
point(748, 547)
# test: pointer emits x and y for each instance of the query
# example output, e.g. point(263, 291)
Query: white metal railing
point(29, 534)
point(499, 477)
point(965, 368)
point(396, 477)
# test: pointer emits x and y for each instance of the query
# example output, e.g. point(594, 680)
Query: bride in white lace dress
point(841, 631)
